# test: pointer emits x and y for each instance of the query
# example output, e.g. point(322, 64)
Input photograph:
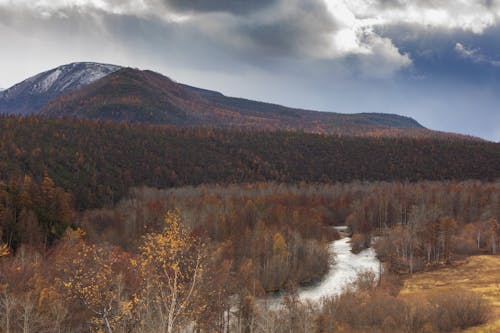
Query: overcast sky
point(437, 61)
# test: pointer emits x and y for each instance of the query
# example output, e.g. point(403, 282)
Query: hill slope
point(30, 95)
point(367, 119)
point(146, 96)
point(98, 161)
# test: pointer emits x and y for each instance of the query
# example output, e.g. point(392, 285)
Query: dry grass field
point(480, 274)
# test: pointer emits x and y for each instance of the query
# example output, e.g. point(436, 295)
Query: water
point(343, 271)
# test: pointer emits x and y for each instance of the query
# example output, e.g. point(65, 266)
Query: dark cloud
point(434, 52)
point(231, 6)
point(298, 30)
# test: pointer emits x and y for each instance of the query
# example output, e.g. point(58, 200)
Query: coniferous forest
point(99, 161)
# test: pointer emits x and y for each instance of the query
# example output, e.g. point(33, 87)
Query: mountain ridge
point(254, 104)
point(146, 96)
point(103, 91)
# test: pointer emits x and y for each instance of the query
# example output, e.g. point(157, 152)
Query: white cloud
point(323, 30)
point(357, 18)
point(357, 22)
point(467, 15)
point(467, 53)
point(49, 8)
point(474, 55)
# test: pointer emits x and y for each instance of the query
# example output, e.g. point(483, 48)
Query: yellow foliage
point(74, 235)
point(90, 278)
point(279, 244)
point(4, 250)
point(126, 307)
point(170, 266)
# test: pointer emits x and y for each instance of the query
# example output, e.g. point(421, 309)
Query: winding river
point(343, 271)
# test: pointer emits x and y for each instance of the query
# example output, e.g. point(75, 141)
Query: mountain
point(101, 91)
point(32, 94)
point(145, 96)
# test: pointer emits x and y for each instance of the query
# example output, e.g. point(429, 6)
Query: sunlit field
point(480, 274)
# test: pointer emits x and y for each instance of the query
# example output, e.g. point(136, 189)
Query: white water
point(343, 271)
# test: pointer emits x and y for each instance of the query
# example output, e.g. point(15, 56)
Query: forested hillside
point(102, 91)
point(145, 96)
point(99, 161)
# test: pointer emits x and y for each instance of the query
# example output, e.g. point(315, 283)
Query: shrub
point(458, 310)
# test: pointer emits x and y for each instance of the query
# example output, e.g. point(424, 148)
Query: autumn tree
point(25, 303)
point(171, 267)
point(90, 276)
point(279, 245)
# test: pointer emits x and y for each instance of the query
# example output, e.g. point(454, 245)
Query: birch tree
point(170, 266)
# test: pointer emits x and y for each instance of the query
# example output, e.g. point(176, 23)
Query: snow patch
point(46, 83)
point(91, 73)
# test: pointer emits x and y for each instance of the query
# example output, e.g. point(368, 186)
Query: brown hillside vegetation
point(99, 161)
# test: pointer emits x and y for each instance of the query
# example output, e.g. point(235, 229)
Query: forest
point(203, 258)
point(119, 227)
point(97, 162)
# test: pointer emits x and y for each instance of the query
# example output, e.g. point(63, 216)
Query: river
point(343, 271)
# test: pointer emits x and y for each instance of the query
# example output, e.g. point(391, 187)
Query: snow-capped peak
point(68, 77)
point(61, 79)
point(31, 94)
